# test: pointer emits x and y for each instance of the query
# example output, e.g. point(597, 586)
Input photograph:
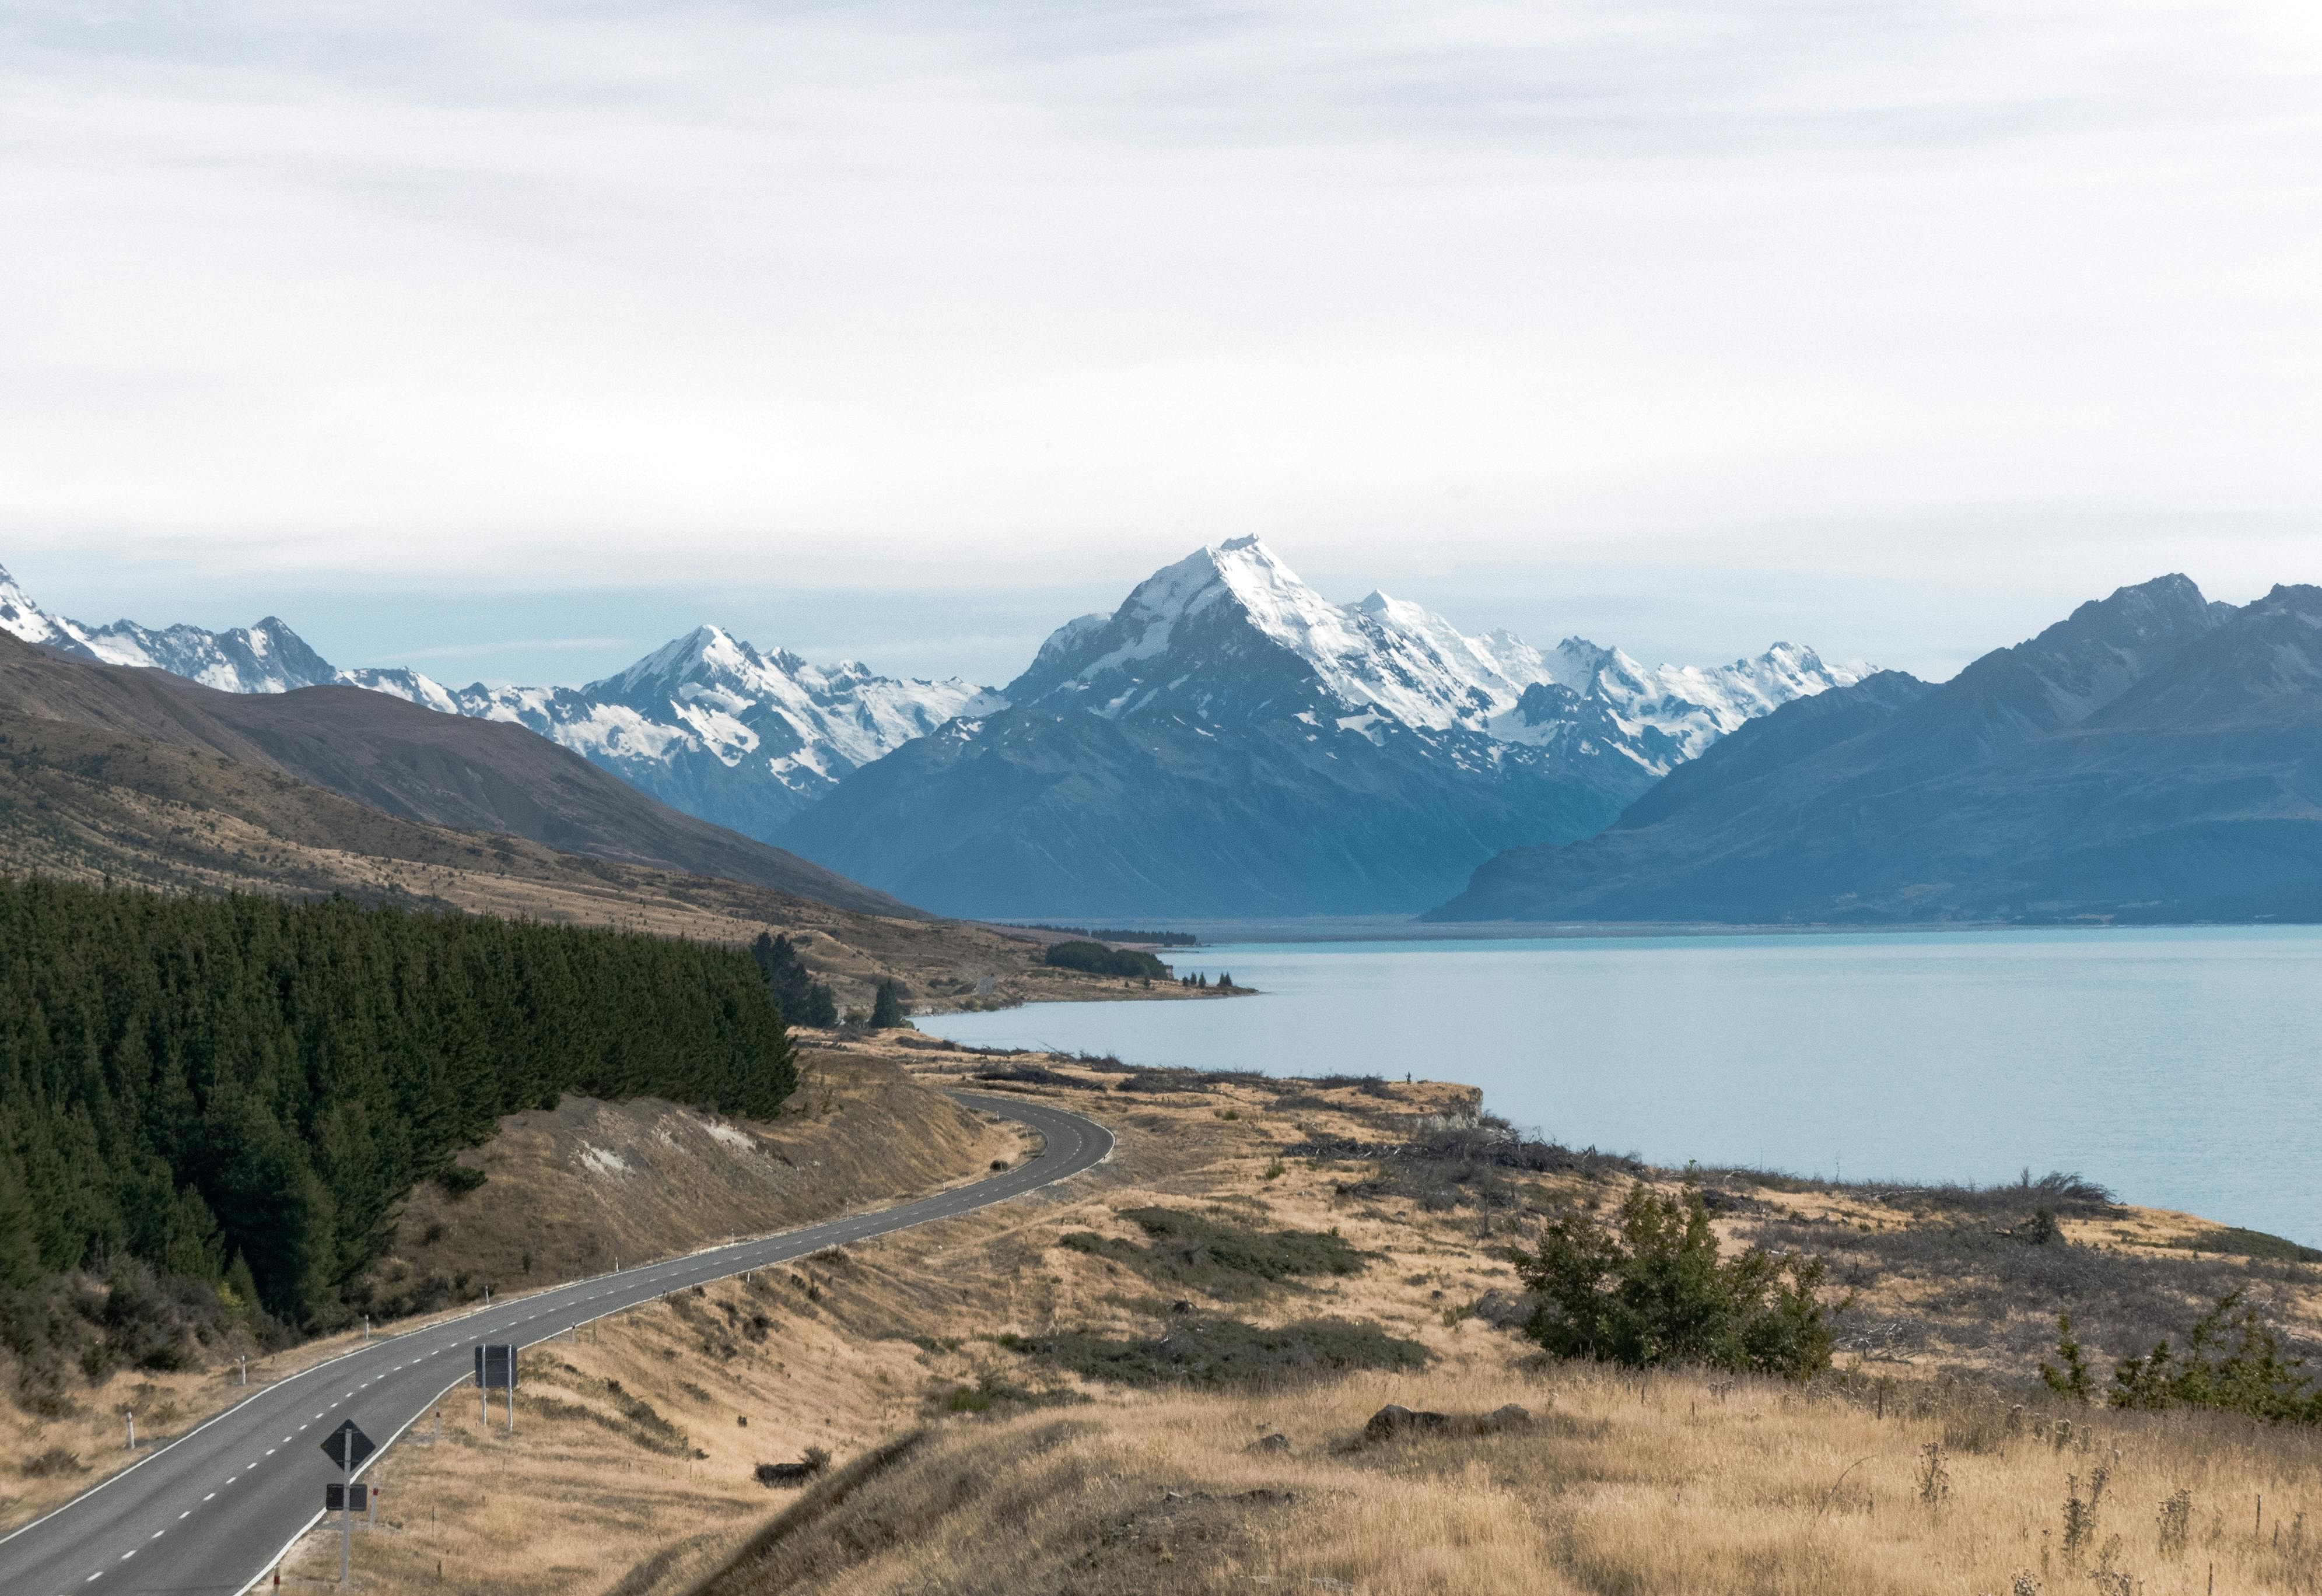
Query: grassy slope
point(95, 805)
point(694, 1180)
point(1677, 1482)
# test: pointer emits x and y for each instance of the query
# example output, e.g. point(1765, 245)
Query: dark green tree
point(2068, 1377)
point(804, 1000)
point(1656, 1290)
point(887, 1007)
point(189, 1080)
point(1096, 959)
point(2231, 1362)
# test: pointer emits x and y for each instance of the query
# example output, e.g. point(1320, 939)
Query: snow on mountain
point(1230, 743)
point(20, 616)
point(711, 725)
point(1226, 741)
point(1387, 659)
point(716, 727)
point(267, 658)
point(706, 723)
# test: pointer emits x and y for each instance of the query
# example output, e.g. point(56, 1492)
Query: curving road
point(212, 1510)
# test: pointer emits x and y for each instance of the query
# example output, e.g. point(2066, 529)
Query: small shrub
point(2253, 1378)
point(2176, 1524)
point(1211, 1253)
point(1934, 1478)
point(1657, 1291)
point(1227, 1351)
point(1027, 1075)
point(2070, 1381)
point(459, 1179)
point(2080, 1513)
point(1370, 1086)
point(2249, 1243)
point(48, 1464)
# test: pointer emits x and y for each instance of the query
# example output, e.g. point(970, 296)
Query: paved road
point(212, 1511)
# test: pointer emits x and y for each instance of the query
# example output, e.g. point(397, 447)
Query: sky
point(507, 338)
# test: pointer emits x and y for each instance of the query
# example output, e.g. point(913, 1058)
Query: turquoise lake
point(2178, 1067)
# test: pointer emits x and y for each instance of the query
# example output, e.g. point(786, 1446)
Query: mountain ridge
point(1228, 741)
point(2152, 757)
point(411, 764)
point(706, 723)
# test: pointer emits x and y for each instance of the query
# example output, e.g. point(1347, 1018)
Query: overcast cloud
point(1894, 328)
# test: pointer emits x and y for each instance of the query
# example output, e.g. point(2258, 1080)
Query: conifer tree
point(187, 1081)
point(887, 1007)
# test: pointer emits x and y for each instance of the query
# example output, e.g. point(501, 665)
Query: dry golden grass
point(861, 1136)
point(1674, 1483)
point(572, 1189)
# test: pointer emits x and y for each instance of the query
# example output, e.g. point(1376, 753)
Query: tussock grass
point(1676, 1483)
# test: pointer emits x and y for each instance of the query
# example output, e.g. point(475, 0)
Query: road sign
point(494, 1367)
point(334, 1498)
point(347, 1446)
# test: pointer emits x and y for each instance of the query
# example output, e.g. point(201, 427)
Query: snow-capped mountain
point(1229, 741)
point(707, 723)
point(1386, 658)
point(713, 726)
point(267, 658)
point(1226, 742)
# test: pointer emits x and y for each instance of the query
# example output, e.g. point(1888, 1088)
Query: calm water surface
point(2176, 1066)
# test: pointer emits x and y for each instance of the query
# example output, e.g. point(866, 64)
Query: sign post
point(347, 1446)
point(496, 1371)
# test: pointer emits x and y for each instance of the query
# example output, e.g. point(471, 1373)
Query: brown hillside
point(413, 763)
point(101, 806)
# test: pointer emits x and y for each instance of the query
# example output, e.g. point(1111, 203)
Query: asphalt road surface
point(210, 1513)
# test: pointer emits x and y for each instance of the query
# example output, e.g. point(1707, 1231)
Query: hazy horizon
point(518, 335)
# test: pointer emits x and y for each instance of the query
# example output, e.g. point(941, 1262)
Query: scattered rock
point(1499, 1308)
point(1181, 1306)
point(1395, 1419)
point(1276, 1442)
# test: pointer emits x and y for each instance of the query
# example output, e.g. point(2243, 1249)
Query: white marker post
point(131, 1414)
point(346, 1514)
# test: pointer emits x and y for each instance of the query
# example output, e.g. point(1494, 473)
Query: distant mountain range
point(1228, 741)
point(2153, 757)
point(707, 723)
point(402, 762)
